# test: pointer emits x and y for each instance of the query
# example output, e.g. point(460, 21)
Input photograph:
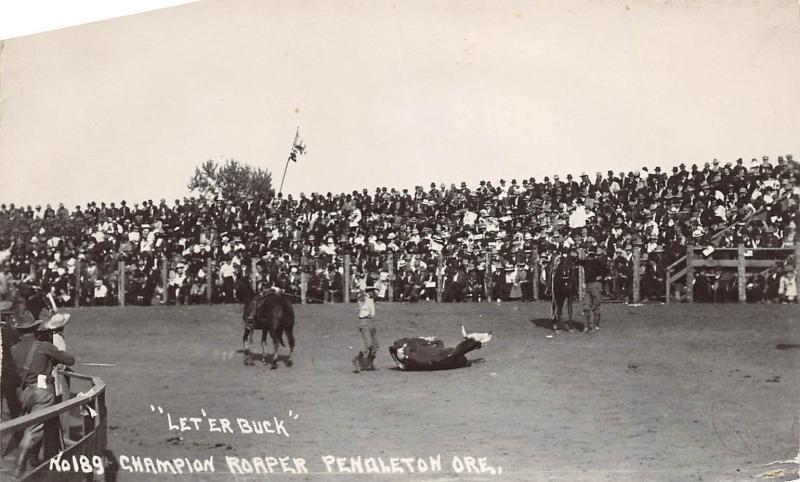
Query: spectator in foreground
point(34, 360)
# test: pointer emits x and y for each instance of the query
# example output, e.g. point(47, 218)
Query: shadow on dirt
point(475, 361)
point(547, 324)
point(255, 357)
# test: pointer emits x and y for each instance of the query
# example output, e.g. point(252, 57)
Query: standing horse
point(272, 313)
point(561, 288)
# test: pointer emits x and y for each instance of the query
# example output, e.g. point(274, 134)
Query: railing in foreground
point(75, 434)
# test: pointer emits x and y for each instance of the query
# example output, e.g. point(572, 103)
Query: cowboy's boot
point(22, 462)
point(370, 365)
point(358, 362)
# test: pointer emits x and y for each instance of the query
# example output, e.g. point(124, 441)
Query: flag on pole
point(298, 148)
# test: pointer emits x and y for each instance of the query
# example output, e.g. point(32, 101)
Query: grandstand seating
point(207, 243)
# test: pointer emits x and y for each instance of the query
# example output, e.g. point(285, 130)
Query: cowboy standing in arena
point(594, 273)
point(366, 313)
point(34, 360)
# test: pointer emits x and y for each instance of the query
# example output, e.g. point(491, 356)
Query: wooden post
point(77, 283)
point(390, 288)
point(742, 267)
point(667, 282)
point(346, 279)
point(535, 267)
point(253, 272)
point(121, 282)
point(164, 279)
point(303, 281)
point(636, 273)
point(690, 273)
point(797, 264)
point(209, 280)
point(439, 278)
point(487, 276)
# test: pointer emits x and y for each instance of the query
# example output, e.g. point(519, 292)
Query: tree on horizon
point(231, 180)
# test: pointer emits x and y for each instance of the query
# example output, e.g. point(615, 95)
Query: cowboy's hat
point(24, 325)
point(55, 322)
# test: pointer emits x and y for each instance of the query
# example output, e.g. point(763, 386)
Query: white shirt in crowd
point(788, 286)
point(226, 271)
point(100, 291)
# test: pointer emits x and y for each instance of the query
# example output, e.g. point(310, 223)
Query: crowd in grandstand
point(521, 222)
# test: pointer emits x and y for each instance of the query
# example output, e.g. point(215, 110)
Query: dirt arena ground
point(698, 392)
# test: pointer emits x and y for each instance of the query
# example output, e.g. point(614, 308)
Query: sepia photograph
point(509, 240)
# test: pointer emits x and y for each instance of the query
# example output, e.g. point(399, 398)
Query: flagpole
point(280, 190)
point(296, 135)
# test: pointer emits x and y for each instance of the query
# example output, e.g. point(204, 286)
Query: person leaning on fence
point(52, 330)
point(34, 360)
point(366, 326)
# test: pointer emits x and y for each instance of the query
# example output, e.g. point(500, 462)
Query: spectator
point(787, 290)
point(100, 293)
point(198, 290)
point(226, 274)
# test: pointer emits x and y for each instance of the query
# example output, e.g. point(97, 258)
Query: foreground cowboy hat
point(55, 322)
point(24, 325)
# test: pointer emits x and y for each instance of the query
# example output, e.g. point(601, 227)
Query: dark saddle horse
point(271, 313)
point(429, 354)
point(562, 286)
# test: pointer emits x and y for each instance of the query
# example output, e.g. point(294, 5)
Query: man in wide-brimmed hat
point(595, 271)
point(34, 361)
point(56, 324)
point(9, 379)
point(366, 326)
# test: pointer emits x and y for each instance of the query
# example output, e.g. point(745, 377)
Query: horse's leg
point(264, 345)
point(275, 346)
point(246, 337)
point(290, 337)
